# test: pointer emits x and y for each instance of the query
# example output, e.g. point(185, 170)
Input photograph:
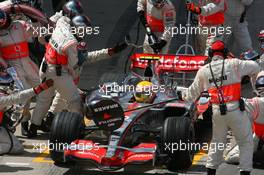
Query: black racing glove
point(47, 38)
point(82, 53)
point(119, 47)
point(142, 18)
point(158, 46)
point(162, 43)
point(179, 93)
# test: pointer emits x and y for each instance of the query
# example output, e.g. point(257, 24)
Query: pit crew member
point(222, 79)
point(235, 18)
point(255, 110)
point(8, 142)
point(211, 15)
point(14, 36)
point(158, 17)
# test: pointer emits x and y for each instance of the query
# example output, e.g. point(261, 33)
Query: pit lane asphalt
point(115, 18)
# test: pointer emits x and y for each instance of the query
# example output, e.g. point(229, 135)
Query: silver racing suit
point(255, 111)
point(160, 21)
point(235, 19)
point(210, 18)
point(234, 70)
point(60, 104)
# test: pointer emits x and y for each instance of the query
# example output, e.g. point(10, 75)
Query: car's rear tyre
point(111, 77)
point(65, 128)
point(177, 132)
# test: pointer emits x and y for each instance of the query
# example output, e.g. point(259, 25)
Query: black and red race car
point(121, 131)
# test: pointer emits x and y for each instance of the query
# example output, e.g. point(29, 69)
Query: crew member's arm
point(99, 55)
point(250, 68)
point(24, 95)
point(85, 56)
point(194, 91)
point(141, 10)
point(208, 9)
point(72, 52)
point(141, 7)
point(169, 18)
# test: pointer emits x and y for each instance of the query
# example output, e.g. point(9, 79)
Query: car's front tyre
point(65, 128)
point(176, 133)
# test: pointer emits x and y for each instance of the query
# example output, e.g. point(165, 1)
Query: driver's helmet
point(144, 92)
point(250, 55)
point(158, 3)
point(261, 39)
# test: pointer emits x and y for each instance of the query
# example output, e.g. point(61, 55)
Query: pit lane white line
point(20, 164)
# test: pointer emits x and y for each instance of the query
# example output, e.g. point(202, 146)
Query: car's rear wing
point(169, 63)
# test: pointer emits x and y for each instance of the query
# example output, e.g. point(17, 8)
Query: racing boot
point(24, 128)
point(211, 171)
point(43, 127)
point(49, 119)
point(244, 172)
point(32, 132)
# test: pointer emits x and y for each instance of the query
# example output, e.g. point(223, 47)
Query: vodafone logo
point(181, 63)
point(174, 62)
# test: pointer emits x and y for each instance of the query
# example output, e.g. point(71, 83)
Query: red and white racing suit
point(160, 21)
point(212, 17)
point(255, 110)
point(5, 101)
point(240, 31)
point(236, 120)
point(14, 50)
point(5, 3)
point(59, 103)
point(60, 51)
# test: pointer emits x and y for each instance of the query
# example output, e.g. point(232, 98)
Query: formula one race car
point(121, 131)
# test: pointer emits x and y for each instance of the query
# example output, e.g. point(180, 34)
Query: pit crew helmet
point(72, 8)
point(6, 80)
point(144, 92)
point(80, 23)
point(5, 20)
point(218, 48)
point(261, 39)
point(250, 55)
point(260, 85)
point(158, 3)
